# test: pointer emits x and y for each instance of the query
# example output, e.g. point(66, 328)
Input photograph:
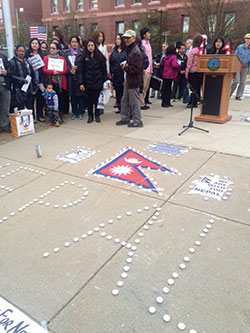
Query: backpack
point(144, 57)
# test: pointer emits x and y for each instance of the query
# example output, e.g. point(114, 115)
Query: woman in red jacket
point(170, 73)
point(58, 77)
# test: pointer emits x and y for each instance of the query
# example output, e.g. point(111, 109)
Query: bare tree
point(217, 17)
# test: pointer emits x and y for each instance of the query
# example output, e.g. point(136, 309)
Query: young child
point(51, 99)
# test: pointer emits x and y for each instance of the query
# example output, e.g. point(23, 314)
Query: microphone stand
point(191, 122)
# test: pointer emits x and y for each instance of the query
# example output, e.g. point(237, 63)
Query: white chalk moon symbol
point(133, 160)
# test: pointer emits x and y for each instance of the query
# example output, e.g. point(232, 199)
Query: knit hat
point(143, 32)
point(247, 36)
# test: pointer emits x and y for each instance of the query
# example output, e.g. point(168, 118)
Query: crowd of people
point(58, 74)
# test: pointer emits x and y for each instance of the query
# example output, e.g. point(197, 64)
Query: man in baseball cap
point(129, 33)
point(133, 68)
point(243, 52)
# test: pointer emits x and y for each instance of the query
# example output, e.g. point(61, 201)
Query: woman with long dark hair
point(74, 56)
point(20, 69)
point(99, 39)
point(44, 48)
point(217, 47)
point(170, 73)
point(58, 78)
point(59, 36)
point(118, 55)
point(35, 50)
point(194, 78)
point(92, 73)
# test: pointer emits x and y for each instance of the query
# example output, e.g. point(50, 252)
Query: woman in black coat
point(20, 68)
point(217, 47)
point(118, 55)
point(35, 50)
point(76, 96)
point(92, 73)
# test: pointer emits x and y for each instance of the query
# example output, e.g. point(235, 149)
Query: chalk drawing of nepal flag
point(127, 167)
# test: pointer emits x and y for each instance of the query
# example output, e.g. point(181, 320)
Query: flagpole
point(8, 28)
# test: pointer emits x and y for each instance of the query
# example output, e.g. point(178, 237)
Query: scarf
point(74, 52)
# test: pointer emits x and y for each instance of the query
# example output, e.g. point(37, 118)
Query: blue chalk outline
point(136, 167)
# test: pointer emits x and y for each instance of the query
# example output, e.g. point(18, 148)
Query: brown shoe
point(57, 124)
point(50, 125)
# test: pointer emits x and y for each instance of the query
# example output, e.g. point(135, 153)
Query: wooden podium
point(218, 72)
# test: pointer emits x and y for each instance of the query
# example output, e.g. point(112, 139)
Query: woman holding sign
point(76, 96)
point(23, 80)
point(92, 73)
point(34, 56)
point(55, 68)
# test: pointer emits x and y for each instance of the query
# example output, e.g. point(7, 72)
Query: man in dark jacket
point(180, 82)
point(130, 103)
point(5, 75)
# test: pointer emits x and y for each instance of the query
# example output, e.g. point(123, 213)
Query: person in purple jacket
point(170, 73)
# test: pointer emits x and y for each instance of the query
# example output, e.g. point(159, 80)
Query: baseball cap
point(129, 33)
point(247, 36)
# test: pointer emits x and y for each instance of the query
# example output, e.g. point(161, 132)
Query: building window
point(93, 4)
point(80, 5)
point(120, 2)
point(229, 21)
point(120, 27)
point(212, 21)
point(154, 0)
point(185, 28)
point(82, 30)
point(137, 26)
point(94, 26)
point(54, 6)
point(136, 2)
point(67, 6)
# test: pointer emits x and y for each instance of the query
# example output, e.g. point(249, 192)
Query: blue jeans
point(77, 102)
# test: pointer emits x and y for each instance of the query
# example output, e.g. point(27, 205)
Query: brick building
point(112, 16)
point(22, 12)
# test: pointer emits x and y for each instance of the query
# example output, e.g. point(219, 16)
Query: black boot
point(97, 116)
point(90, 116)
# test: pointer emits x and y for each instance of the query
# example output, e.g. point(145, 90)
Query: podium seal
point(213, 64)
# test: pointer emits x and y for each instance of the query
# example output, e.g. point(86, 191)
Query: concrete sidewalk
point(130, 251)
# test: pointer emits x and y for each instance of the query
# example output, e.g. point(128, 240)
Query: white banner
point(72, 60)
point(36, 61)
point(55, 64)
point(211, 186)
point(1, 65)
point(13, 320)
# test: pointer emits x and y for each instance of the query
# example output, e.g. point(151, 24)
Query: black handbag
point(18, 98)
point(155, 83)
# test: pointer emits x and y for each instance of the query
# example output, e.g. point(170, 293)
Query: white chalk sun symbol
point(121, 170)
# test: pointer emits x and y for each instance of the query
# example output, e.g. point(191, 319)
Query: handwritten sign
point(13, 320)
point(72, 60)
point(36, 61)
point(56, 64)
point(26, 85)
point(75, 156)
point(211, 186)
point(167, 149)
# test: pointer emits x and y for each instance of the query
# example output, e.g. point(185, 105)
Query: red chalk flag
point(39, 32)
point(228, 47)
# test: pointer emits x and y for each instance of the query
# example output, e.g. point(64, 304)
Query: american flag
point(39, 32)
